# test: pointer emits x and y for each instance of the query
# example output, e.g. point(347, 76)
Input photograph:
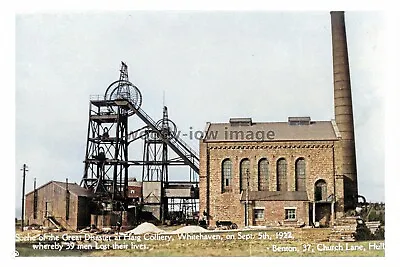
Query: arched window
point(300, 174)
point(281, 180)
point(320, 190)
point(226, 174)
point(244, 174)
point(263, 175)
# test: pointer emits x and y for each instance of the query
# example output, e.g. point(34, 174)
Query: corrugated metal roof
point(262, 131)
point(276, 195)
point(75, 189)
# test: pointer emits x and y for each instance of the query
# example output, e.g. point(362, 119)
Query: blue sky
point(210, 65)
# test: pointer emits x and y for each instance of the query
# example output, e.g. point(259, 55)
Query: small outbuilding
point(58, 204)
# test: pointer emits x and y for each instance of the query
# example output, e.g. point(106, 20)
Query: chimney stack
point(344, 107)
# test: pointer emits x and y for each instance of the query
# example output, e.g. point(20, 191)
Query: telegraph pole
point(24, 170)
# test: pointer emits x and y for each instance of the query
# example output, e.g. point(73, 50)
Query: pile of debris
point(225, 225)
point(190, 229)
point(94, 230)
point(349, 229)
point(145, 228)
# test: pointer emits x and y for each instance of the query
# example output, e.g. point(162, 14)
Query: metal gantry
point(106, 159)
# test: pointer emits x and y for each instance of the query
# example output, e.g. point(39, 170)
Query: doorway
point(49, 209)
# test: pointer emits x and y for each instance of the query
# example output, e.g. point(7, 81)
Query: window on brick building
point(258, 213)
point(263, 175)
point(226, 174)
point(320, 190)
point(244, 173)
point(290, 214)
point(281, 180)
point(300, 174)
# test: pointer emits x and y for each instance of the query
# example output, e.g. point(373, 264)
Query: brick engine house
point(297, 172)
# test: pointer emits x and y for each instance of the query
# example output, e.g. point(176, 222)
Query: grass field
point(304, 242)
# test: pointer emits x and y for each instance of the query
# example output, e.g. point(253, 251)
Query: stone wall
point(320, 157)
point(274, 213)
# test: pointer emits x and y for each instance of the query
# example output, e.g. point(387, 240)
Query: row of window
point(263, 174)
point(290, 214)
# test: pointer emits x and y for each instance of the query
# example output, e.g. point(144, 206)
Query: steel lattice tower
point(106, 158)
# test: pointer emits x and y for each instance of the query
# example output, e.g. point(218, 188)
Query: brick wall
point(321, 160)
point(274, 212)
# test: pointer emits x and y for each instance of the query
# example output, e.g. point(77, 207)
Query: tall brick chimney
point(344, 108)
